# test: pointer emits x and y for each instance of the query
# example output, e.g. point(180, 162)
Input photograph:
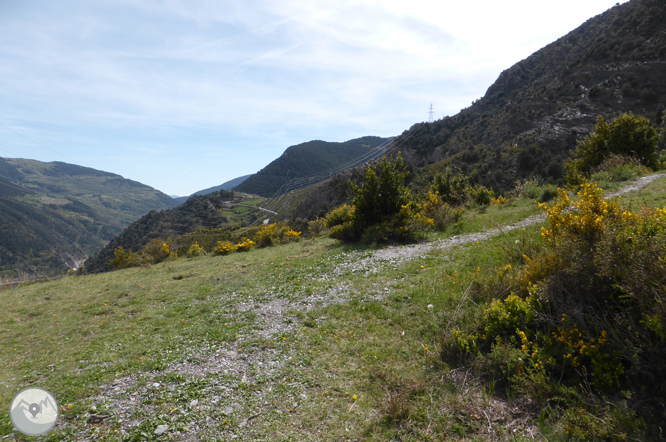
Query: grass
point(352, 354)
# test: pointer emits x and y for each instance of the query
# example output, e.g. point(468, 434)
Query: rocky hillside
point(54, 215)
point(314, 158)
point(538, 109)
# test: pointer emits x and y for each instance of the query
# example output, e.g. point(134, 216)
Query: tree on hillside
point(382, 195)
point(627, 135)
point(380, 210)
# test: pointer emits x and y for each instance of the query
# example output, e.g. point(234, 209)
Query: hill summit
point(312, 159)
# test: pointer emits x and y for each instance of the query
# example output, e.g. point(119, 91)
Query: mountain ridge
point(54, 215)
point(224, 186)
point(308, 159)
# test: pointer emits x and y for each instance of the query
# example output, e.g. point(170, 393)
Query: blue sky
point(185, 95)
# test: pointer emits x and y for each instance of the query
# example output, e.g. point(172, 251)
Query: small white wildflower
point(517, 241)
point(430, 306)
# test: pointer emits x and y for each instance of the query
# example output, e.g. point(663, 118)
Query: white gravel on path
point(273, 314)
point(360, 261)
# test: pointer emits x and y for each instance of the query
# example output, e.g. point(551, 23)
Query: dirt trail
point(127, 395)
point(398, 254)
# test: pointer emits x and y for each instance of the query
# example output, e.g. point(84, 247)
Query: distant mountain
point(198, 212)
point(226, 186)
point(205, 211)
point(537, 110)
point(54, 215)
point(318, 159)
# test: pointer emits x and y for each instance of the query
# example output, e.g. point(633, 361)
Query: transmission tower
point(431, 112)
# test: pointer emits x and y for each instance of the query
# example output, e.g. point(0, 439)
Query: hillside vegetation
point(309, 338)
point(309, 159)
point(537, 110)
point(54, 215)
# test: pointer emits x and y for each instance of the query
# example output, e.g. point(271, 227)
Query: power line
point(39, 144)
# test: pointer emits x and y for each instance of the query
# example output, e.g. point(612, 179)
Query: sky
point(185, 95)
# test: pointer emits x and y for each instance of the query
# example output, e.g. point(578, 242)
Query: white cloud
point(187, 78)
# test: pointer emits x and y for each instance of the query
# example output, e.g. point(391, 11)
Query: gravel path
point(359, 261)
point(125, 395)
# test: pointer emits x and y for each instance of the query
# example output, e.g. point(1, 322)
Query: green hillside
point(54, 215)
point(211, 217)
point(311, 159)
point(307, 338)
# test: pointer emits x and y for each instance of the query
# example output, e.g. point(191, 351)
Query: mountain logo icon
point(34, 411)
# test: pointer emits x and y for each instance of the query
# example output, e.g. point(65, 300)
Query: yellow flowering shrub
point(195, 250)
point(433, 212)
point(223, 248)
point(339, 216)
point(266, 235)
point(125, 259)
point(156, 251)
point(505, 317)
point(244, 246)
point(501, 201)
point(292, 235)
point(272, 234)
point(316, 226)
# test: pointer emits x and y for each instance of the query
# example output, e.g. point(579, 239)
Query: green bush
point(382, 195)
point(481, 195)
point(617, 168)
point(125, 259)
point(339, 216)
point(627, 135)
point(156, 251)
point(446, 216)
point(547, 193)
point(452, 187)
point(380, 210)
point(316, 226)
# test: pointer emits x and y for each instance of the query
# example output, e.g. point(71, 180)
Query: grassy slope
point(76, 335)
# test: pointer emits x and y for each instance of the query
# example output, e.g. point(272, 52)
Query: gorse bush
point(244, 246)
point(380, 210)
point(627, 135)
point(195, 250)
point(452, 187)
point(316, 226)
point(339, 216)
point(481, 195)
point(437, 213)
point(125, 259)
point(156, 251)
point(223, 248)
point(382, 195)
point(273, 234)
point(588, 309)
